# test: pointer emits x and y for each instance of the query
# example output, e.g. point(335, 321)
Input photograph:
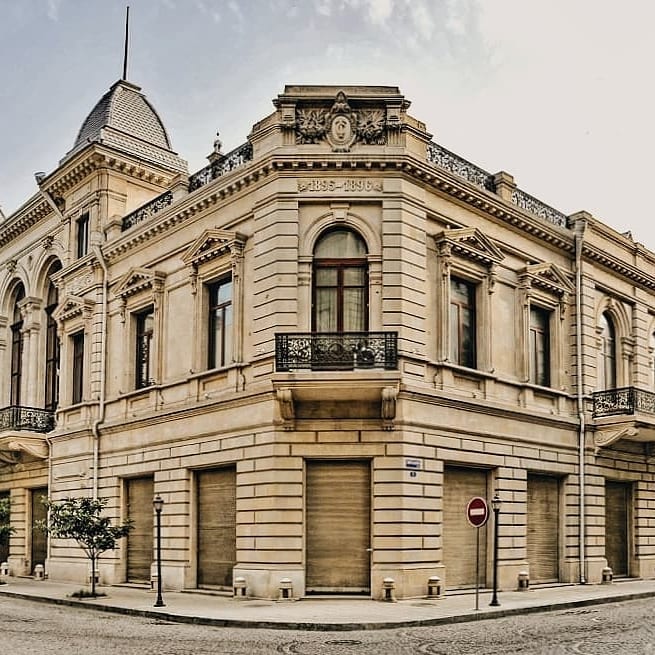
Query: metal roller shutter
point(39, 539)
point(338, 511)
point(216, 526)
point(459, 537)
point(140, 540)
point(617, 499)
point(543, 528)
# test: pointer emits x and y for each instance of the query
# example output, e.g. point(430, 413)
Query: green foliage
point(81, 519)
point(5, 526)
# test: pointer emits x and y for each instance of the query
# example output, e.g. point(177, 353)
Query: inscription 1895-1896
point(347, 184)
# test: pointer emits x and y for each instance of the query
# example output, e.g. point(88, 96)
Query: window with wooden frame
point(607, 368)
point(144, 353)
point(462, 322)
point(17, 348)
point(340, 289)
point(82, 234)
point(220, 322)
point(539, 346)
point(466, 268)
point(51, 397)
point(77, 370)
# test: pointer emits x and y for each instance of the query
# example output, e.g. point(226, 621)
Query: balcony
point(624, 413)
point(21, 433)
point(336, 351)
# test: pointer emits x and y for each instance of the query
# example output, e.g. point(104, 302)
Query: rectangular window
point(145, 322)
point(462, 323)
point(82, 236)
point(540, 346)
point(220, 323)
point(77, 341)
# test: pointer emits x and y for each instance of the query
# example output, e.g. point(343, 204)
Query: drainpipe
point(580, 225)
point(103, 365)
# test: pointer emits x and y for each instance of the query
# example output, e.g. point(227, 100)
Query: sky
point(558, 93)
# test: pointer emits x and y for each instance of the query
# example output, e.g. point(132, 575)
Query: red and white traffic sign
point(477, 512)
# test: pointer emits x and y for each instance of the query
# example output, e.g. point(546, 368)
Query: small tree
point(5, 526)
point(80, 519)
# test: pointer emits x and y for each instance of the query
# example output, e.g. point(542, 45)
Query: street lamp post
point(495, 505)
point(158, 504)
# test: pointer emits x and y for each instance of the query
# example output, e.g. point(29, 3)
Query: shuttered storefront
point(617, 503)
point(140, 540)
point(338, 525)
point(543, 528)
point(459, 537)
point(216, 503)
point(39, 550)
point(4, 545)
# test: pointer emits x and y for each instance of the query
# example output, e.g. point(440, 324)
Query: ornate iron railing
point(456, 165)
point(146, 211)
point(531, 204)
point(626, 400)
point(232, 160)
point(17, 417)
point(336, 351)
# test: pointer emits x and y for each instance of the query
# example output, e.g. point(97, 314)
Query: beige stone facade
point(316, 351)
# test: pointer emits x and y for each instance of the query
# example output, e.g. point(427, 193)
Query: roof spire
point(127, 41)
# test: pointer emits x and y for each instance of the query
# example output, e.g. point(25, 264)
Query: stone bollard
point(286, 589)
point(4, 569)
point(239, 588)
point(524, 581)
point(434, 587)
point(39, 572)
point(388, 590)
point(607, 575)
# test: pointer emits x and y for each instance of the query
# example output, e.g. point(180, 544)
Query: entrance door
point(617, 503)
point(216, 503)
point(543, 528)
point(338, 524)
point(39, 549)
point(140, 542)
point(459, 537)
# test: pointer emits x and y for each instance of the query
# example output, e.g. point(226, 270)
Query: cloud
point(53, 9)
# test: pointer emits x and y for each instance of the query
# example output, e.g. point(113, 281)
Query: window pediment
point(73, 307)
point(214, 243)
point(469, 243)
point(547, 277)
point(139, 279)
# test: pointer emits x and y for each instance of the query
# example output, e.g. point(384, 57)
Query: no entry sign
point(477, 512)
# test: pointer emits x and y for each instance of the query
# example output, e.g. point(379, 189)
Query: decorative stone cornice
point(471, 244)
point(73, 307)
point(548, 277)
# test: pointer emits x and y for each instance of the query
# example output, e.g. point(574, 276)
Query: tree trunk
point(93, 576)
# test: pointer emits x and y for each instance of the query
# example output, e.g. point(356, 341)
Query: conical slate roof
point(123, 118)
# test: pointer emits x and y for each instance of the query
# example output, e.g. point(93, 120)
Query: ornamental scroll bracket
point(287, 410)
point(605, 438)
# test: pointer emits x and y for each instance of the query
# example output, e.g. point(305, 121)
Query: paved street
point(38, 628)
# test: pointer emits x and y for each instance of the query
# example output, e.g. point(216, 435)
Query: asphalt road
point(31, 628)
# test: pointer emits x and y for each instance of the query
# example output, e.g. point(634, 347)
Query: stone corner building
point(317, 349)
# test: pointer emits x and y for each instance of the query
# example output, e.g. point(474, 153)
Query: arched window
point(340, 293)
point(16, 347)
point(51, 346)
point(607, 368)
point(652, 360)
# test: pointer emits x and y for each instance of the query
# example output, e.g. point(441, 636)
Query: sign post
point(477, 514)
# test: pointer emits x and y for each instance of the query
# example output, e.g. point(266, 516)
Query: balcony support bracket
point(604, 438)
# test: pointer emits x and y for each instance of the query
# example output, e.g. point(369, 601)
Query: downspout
point(103, 365)
point(580, 225)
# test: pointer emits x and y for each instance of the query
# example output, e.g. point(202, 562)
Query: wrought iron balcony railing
point(228, 162)
point(336, 351)
point(146, 211)
point(33, 419)
point(626, 400)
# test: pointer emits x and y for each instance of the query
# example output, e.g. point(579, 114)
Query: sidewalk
point(330, 613)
